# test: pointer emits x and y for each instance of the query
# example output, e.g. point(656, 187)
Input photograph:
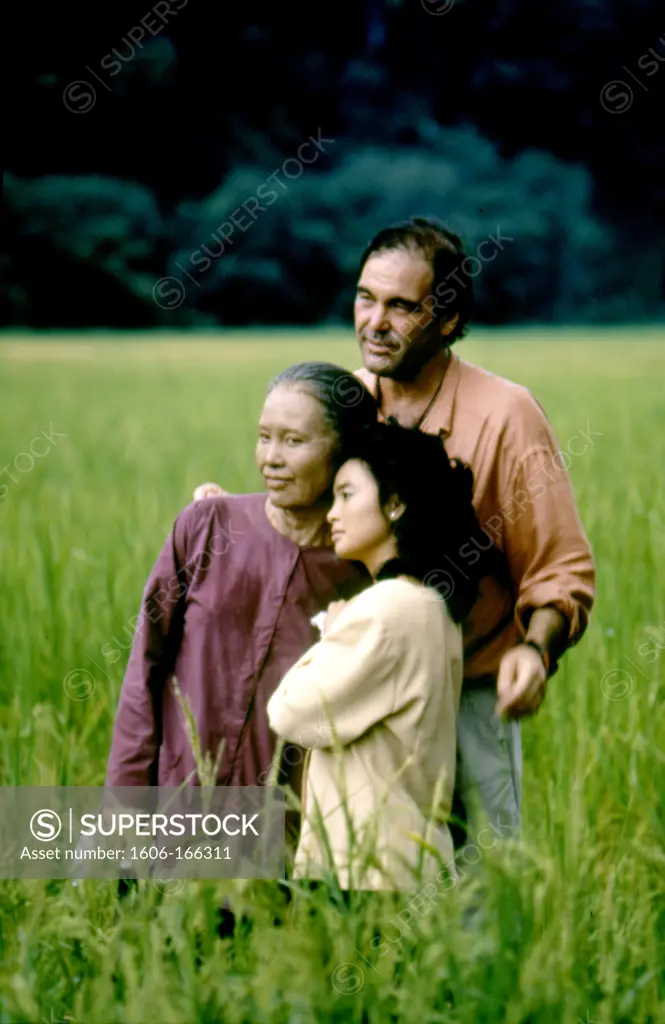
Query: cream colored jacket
point(375, 703)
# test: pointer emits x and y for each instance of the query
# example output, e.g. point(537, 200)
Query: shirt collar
point(445, 403)
point(444, 407)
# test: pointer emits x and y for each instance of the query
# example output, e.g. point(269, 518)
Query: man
point(413, 302)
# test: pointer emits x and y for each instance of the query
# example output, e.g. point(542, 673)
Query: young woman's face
point(360, 529)
point(295, 447)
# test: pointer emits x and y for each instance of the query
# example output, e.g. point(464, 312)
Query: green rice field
point(571, 925)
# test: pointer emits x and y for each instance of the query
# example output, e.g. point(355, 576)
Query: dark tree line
point(136, 135)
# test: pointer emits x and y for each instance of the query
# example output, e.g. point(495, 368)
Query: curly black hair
point(438, 518)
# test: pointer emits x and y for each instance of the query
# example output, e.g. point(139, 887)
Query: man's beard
point(413, 361)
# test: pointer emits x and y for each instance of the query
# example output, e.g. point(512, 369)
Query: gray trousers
point(488, 783)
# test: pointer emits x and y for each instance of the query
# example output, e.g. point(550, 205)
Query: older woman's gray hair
point(347, 404)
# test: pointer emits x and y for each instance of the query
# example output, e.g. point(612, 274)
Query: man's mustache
point(391, 342)
point(385, 341)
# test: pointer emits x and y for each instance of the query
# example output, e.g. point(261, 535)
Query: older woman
point(375, 700)
point(228, 604)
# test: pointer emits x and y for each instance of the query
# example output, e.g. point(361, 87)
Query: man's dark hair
point(439, 519)
point(452, 286)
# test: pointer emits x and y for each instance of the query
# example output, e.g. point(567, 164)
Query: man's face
point(395, 330)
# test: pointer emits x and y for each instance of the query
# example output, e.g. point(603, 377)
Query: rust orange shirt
point(524, 500)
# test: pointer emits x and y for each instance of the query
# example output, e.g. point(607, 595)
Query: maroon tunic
point(227, 610)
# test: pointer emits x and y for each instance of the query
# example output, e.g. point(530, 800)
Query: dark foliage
point(493, 116)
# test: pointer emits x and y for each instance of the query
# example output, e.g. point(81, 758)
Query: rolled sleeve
point(550, 559)
point(340, 687)
point(136, 731)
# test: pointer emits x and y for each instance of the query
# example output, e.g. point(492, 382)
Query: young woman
point(375, 700)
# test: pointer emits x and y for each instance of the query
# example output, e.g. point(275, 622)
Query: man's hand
point(334, 610)
point(521, 682)
point(209, 491)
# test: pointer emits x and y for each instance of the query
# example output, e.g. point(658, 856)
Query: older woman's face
point(295, 447)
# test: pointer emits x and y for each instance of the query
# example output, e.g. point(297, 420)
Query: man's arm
point(523, 671)
point(209, 490)
point(549, 557)
point(549, 629)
